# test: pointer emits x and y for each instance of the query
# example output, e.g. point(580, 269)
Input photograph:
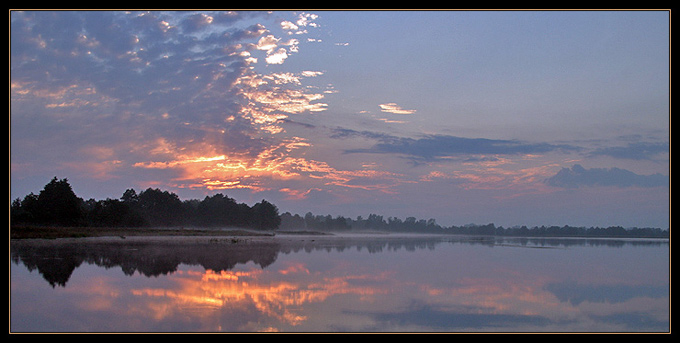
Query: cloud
point(287, 25)
point(303, 20)
point(166, 99)
point(439, 147)
point(196, 22)
point(170, 92)
point(270, 44)
point(277, 57)
point(310, 73)
point(342, 133)
point(578, 176)
point(634, 151)
point(267, 43)
point(307, 19)
point(394, 108)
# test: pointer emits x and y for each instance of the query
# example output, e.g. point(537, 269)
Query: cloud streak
point(441, 147)
point(578, 176)
point(394, 108)
point(634, 151)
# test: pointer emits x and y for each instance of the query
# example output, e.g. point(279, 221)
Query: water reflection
point(339, 284)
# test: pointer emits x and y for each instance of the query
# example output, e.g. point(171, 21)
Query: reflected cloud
point(216, 292)
point(576, 294)
point(434, 318)
point(278, 301)
point(326, 284)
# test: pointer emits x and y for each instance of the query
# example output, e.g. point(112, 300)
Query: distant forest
point(58, 205)
point(378, 223)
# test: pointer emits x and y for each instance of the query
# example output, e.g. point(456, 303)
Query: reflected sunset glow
point(280, 299)
point(315, 283)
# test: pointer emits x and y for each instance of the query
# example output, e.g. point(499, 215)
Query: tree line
point(379, 223)
point(58, 205)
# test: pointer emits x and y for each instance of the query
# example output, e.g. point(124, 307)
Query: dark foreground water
point(340, 284)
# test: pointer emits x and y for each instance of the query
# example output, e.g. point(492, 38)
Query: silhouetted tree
point(265, 216)
point(25, 211)
point(130, 197)
point(58, 204)
point(160, 208)
point(219, 210)
point(113, 213)
point(292, 222)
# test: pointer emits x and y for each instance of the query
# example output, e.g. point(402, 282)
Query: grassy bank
point(52, 232)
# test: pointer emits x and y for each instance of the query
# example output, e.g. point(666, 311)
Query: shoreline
point(56, 232)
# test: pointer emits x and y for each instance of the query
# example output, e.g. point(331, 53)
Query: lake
point(340, 283)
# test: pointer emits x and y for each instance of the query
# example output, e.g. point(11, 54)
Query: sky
point(506, 117)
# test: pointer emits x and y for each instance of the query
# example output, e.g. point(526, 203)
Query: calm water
point(340, 284)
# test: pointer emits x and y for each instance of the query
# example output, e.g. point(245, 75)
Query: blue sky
point(510, 117)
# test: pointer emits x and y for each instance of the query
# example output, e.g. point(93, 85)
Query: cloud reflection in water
point(336, 285)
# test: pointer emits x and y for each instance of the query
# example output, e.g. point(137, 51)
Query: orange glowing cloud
point(266, 101)
point(276, 162)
